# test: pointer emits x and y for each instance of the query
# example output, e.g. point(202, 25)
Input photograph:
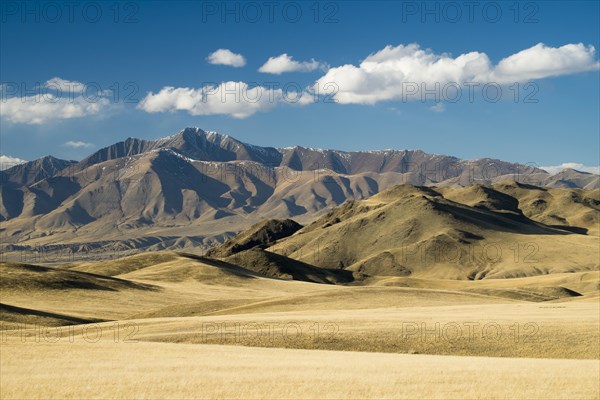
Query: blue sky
point(141, 49)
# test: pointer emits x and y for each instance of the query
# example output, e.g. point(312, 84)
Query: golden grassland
point(568, 330)
point(108, 370)
point(171, 326)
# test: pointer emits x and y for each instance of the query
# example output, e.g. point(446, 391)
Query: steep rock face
point(129, 147)
point(193, 143)
point(33, 171)
point(261, 235)
point(281, 267)
point(14, 179)
point(211, 146)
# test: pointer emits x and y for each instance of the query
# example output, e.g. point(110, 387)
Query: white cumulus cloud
point(395, 72)
point(34, 111)
point(285, 63)
point(77, 144)
point(577, 166)
point(236, 99)
point(541, 61)
point(64, 85)
point(226, 57)
point(58, 99)
point(8, 162)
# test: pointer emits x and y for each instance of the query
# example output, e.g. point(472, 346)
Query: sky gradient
point(149, 69)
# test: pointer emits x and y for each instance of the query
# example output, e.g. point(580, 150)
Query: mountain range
point(195, 189)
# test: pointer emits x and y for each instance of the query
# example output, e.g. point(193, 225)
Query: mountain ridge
point(197, 139)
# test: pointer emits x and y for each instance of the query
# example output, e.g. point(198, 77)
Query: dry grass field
point(168, 325)
point(108, 370)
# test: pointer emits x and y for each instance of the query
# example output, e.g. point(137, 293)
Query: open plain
point(170, 325)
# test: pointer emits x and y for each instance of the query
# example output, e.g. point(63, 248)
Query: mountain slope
point(22, 175)
point(416, 231)
point(33, 171)
point(196, 188)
